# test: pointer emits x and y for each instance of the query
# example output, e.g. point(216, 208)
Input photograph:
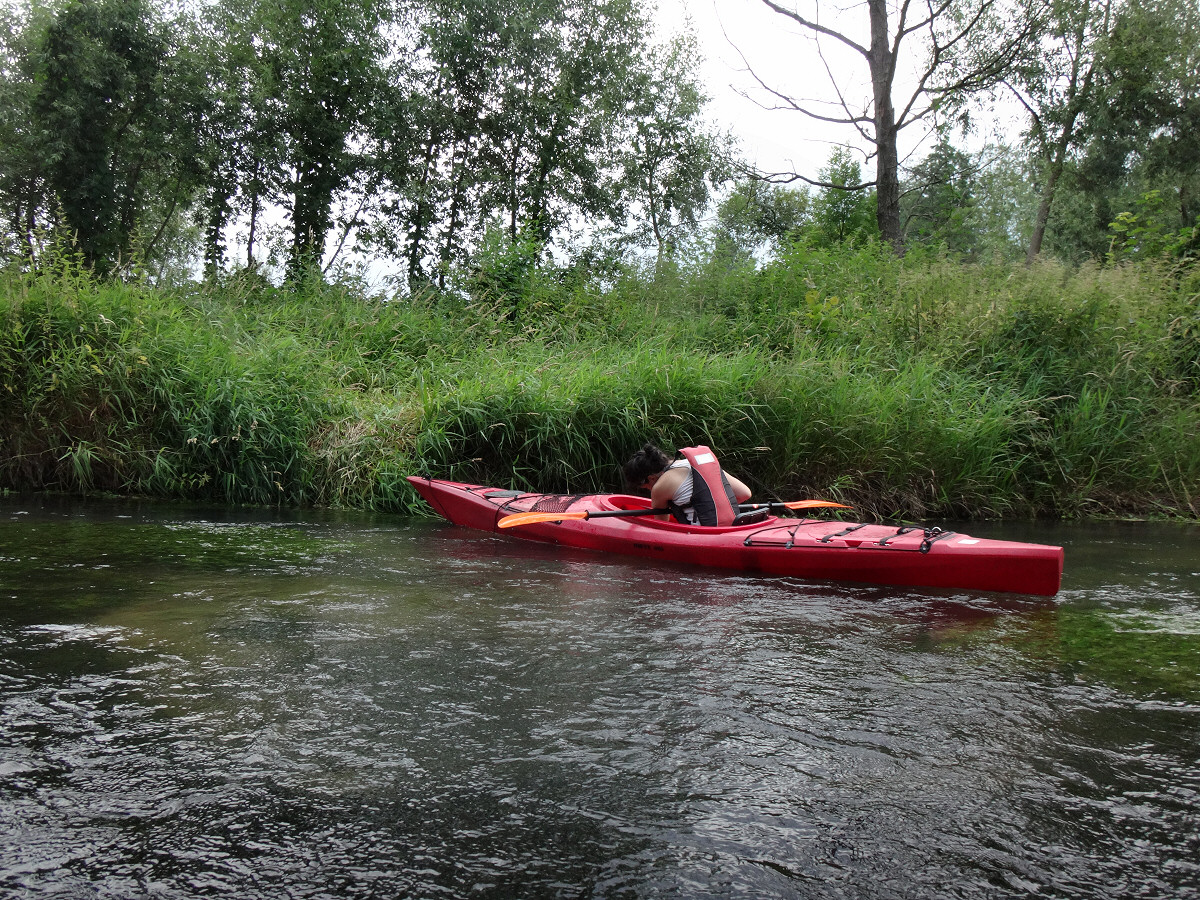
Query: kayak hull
point(824, 550)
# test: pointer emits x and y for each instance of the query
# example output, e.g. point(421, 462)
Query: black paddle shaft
point(655, 511)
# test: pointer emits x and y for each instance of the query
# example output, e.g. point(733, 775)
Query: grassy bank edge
point(936, 390)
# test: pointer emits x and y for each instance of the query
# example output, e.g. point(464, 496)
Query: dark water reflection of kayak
point(196, 702)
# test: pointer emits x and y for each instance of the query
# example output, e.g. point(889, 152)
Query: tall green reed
point(907, 387)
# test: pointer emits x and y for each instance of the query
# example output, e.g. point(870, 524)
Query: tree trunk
point(1054, 171)
point(214, 230)
point(421, 217)
point(513, 202)
point(887, 158)
point(253, 229)
point(659, 239)
point(1043, 215)
point(1078, 95)
point(312, 202)
point(30, 231)
point(452, 226)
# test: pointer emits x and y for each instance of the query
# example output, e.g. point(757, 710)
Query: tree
point(290, 117)
point(241, 138)
point(939, 198)
point(326, 62)
point(24, 191)
point(1114, 125)
point(672, 158)
point(113, 125)
point(758, 215)
point(424, 125)
point(1056, 88)
point(943, 69)
point(565, 155)
point(425, 132)
point(1003, 193)
point(1149, 114)
point(839, 214)
point(524, 115)
point(508, 108)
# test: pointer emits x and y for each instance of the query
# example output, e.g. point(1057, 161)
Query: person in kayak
point(695, 489)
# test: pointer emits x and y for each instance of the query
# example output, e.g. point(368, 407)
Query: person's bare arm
point(739, 488)
point(666, 485)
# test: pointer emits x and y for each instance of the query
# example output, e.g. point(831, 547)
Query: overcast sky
point(785, 57)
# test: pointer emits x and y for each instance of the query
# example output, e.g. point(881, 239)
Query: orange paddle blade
point(531, 518)
point(814, 504)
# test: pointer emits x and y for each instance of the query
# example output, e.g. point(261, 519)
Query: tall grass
point(913, 387)
point(110, 387)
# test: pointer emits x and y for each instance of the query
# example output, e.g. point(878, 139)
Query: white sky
point(785, 56)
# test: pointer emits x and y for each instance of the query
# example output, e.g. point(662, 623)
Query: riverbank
point(922, 387)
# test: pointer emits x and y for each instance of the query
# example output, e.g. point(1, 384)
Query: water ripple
point(426, 712)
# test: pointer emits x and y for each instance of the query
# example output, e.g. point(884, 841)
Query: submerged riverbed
point(196, 702)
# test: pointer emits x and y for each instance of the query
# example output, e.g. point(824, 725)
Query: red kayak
point(820, 549)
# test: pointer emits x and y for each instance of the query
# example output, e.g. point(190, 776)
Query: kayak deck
point(819, 549)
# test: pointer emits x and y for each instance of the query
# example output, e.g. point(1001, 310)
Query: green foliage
point(111, 120)
point(1149, 112)
point(403, 128)
point(758, 216)
point(512, 276)
point(1004, 202)
point(139, 130)
point(326, 59)
point(843, 212)
point(672, 158)
point(1139, 169)
point(1151, 231)
point(24, 193)
point(913, 386)
point(241, 133)
point(518, 111)
point(936, 204)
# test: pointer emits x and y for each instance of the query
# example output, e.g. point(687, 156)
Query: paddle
point(531, 518)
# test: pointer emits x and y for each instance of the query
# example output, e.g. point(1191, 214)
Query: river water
point(205, 703)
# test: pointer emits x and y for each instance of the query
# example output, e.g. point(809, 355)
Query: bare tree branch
point(793, 177)
point(790, 103)
point(946, 38)
point(819, 28)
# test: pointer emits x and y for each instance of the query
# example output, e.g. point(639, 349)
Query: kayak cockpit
point(627, 501)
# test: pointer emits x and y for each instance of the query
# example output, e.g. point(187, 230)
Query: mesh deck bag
point(556, 502)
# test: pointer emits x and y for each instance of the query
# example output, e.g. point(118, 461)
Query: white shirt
point(683, 493)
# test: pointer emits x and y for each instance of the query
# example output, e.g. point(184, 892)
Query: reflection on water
point(200, 703)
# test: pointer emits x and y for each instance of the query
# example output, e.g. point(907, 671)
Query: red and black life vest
point(713, 500)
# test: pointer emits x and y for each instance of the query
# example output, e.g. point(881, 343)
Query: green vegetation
point(1138, 650)
point(516, 164)
point(915, 386)
point(160, 553)
point(1129, 652)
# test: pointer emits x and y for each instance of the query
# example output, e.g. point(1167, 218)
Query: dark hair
point(646, 462)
